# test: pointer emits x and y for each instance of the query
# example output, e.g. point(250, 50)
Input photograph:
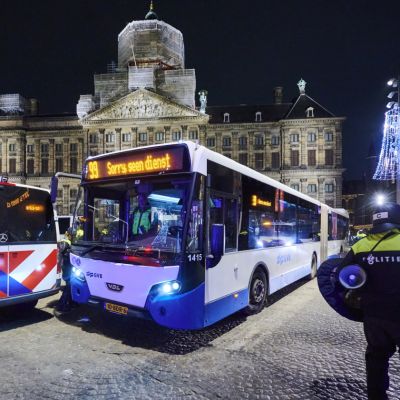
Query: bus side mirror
point(217, 245)
point(53, 189)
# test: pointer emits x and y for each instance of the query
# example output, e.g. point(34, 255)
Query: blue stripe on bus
point(221, 308)
point(15, 288)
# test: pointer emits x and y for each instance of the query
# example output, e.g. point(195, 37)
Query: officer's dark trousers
point(382, 337)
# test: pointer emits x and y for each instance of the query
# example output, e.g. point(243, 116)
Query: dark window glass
point(259, 140)
point(30, 166)
point(259, 160)
point(311, 158)
point(74, 165)
point(308, 220)
point(44, 166)
point(210, 142)
point(12, 166)
point(294, 158)
point(242, 143)
point(29, 148)
point(73, 147)
point(329, 157)
point(59, 147)
point(59, 165)
point(223, 179)
point(243, 158)
point(275, 140)
point(275, 160)
point(44, 148)
point(337, 226)
point(226, 141)
point(26, 215)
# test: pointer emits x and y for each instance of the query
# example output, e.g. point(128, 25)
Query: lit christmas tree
point(388, 165)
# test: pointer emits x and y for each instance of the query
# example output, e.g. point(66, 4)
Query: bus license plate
point(116, 308)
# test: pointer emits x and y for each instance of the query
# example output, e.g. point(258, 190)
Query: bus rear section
point(28, 245)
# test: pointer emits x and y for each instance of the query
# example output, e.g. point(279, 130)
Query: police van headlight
point(78, 273)
point(170, 287)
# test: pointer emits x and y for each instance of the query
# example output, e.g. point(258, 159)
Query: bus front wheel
point(258, 293)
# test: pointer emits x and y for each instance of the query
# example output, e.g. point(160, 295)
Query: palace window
point(126, 137)
point(295, 186)
point(310, 112)
point(312, 188)
point(193, 135)
point(143, 137)
point(110, 138)
point(177, 135)
point(12, 147)
point(73, 193)
point(226, 117)
point(93, 138)
point(311, 137)
point(294, 158)
point(274, 140)
point(44, 167)
point(93, 153)
point(259, 161)
point(329, 136)
point(259, 140)
point(12, 166)
point(44, 148)
point(73, 147)
point(242, 143)
point(312, 161)
point(226, 141)
point(329, 187)
point(329, 157)
point(159, 136)
point(243, 158)
point(73, 165)
point(30, 166)
point(258, 116)
point(210, 142)
point(294, 138)
point(59, 148)
point(229, 155)
point(59, 165)
point(29, 148)
point(275, 160)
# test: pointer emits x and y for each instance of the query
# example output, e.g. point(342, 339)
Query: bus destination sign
point(137, 163)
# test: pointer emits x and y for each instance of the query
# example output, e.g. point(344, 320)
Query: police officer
point(65, 302)
point(379, 254)
point(141, 218)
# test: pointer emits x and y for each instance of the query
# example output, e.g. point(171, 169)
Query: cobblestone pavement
point(297, 348)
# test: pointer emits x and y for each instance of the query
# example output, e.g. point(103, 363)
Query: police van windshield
point(26, 215)
point(139, 214)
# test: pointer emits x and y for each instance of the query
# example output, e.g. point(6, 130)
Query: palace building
point(149, 97)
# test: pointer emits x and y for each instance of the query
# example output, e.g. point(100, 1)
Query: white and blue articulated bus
point(217, 237)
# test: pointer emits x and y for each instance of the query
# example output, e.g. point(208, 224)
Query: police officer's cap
point(386, 217)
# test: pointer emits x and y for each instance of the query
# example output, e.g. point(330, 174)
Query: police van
point(28, 245)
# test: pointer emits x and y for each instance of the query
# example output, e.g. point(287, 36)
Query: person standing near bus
point(379, 254)
point(65, 303)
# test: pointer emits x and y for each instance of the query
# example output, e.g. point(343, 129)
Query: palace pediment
point(141, 105)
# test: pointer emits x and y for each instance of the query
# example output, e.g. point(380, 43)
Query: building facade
point(148, 98)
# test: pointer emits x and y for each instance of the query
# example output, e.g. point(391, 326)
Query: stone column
point(150, 135)
point(321, 189)
point(66, 157)
point(167, 130)
point(235, 146)
point(81, 155)
point(184, 130)
point(250, 150)
point(37, 157)
point(118, 139)
point(134, 140)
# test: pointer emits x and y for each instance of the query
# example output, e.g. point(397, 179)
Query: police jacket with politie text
point(381, 293)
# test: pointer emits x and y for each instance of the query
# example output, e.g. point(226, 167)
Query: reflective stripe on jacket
point(141, 218)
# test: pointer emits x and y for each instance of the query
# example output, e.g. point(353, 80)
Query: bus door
point(222, 278)
point(3, 265)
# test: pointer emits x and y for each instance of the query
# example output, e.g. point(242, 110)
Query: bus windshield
point(145, 214)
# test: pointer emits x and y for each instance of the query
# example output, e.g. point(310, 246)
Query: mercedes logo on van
point(3, 237)
point(114, 287)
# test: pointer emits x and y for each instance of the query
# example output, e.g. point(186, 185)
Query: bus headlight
point(78, 274)
point(170, 287)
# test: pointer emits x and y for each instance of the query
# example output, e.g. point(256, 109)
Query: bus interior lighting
point(166, 199)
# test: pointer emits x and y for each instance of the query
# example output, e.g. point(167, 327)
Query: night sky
point(346, 50)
